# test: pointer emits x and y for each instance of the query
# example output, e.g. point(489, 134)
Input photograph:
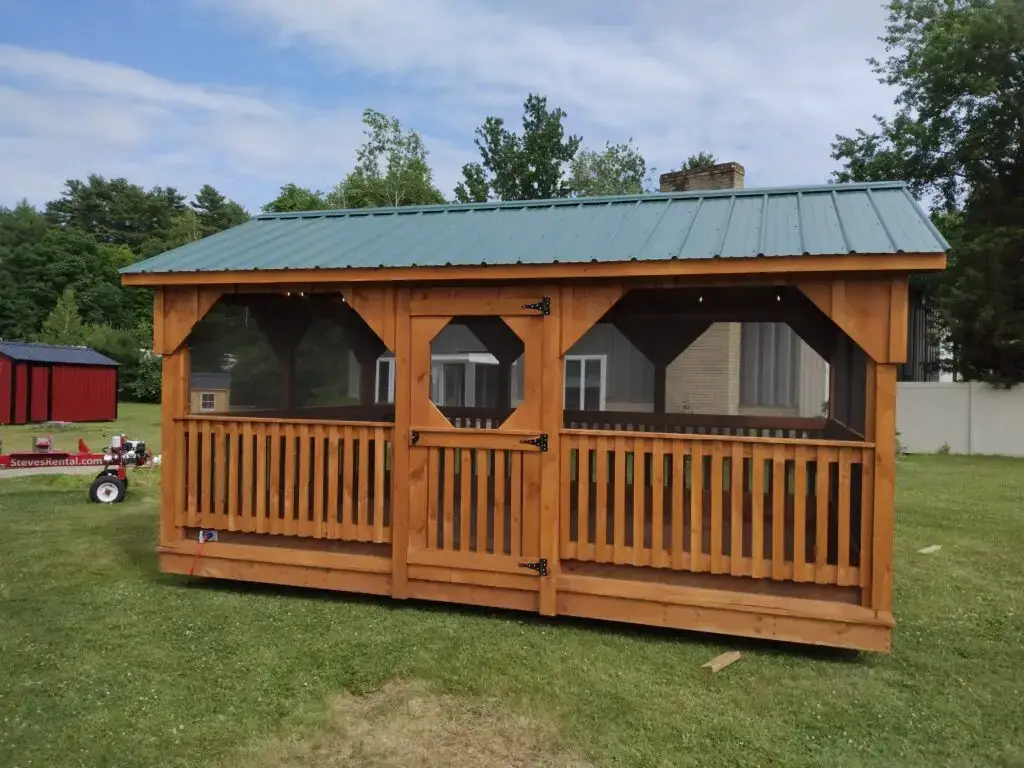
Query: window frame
point(202, 401)
point(602, 398)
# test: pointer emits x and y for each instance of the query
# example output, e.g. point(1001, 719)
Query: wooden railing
point(475, 500)
point(310, 479)
point(711, 424)
point(768, 509)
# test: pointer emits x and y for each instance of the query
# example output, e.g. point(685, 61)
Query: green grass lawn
point(105, 662)
point(140, 421)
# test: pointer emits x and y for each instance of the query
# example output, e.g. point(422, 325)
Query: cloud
point(64, 117)
point(766, 84)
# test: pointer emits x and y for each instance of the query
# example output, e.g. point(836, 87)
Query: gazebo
point(491, 404)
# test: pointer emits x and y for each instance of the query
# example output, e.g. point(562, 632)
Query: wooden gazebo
point(759, 525)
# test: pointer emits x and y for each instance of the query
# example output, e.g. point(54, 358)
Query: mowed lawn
point(105, 662)
point(139, 421)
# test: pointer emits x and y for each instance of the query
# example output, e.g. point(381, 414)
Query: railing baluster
point(697, 506)
point(800, 515)
point(757, 468)
point(843, 561)
point(737, 563)
point(603, 552)
point(717, 489)
point(821, 515)
point(569, 512)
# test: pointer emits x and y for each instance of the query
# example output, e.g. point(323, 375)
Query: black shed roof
point(27, 352)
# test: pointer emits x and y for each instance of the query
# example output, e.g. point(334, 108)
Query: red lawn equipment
point(110, 485)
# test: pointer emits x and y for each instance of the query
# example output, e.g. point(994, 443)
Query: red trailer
point(45, 382)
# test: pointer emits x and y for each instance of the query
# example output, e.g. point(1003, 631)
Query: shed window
point(207, 401)
point(769, 365)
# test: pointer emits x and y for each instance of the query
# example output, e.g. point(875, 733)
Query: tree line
point(957, 139)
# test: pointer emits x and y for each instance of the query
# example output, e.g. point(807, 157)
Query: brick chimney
point(721, 176)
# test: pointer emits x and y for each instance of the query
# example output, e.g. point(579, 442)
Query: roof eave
point(708, 267)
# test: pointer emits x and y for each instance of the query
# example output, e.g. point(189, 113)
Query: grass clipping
point(406, 724)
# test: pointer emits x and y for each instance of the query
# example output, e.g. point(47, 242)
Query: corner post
point(401, 501)
point(884, 491)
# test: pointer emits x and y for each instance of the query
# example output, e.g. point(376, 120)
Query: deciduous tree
point(391, 169)
point(527, 166)
point(618, 169)
point(958, 139)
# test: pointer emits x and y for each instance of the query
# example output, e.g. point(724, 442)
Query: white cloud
point(766, 84)
point(63, 117)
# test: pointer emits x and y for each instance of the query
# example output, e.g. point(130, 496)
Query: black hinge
point(541, 442)
point(414, 437)
point(543, 306)
point(540, 566)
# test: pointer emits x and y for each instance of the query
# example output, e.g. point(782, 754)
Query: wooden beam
point(376, 305)
point(780, 265)
point(582, 306)
point(871, 312)
point(180, 308)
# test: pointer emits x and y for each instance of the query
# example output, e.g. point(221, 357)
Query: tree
point(700, 161)
point(215, 212)
point(619, 169)
point(295, 198)
point(529, 166)
point(115, 211)
point(958, 139)
point(63, 325)
point(391, 169)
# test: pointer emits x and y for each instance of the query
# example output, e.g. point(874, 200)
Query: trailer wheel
point(107, 489)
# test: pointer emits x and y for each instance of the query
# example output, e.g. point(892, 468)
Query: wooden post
point(551, 424)
point(174, 404)
point(884, 487)
point(400, 505)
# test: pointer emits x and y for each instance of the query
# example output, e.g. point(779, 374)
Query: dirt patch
point(406, 724)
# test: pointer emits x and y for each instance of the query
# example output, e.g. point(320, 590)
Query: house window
point(585, 382)
point(457, 381)
point(769, 365)
point(207, 401)
point(385, 384)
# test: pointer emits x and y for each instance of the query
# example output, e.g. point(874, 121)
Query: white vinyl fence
point(967, 416)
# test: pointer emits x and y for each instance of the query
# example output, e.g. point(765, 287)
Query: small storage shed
point(47, 382)
point(360, 453)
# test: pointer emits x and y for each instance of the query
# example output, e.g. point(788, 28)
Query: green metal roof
point(876, 218)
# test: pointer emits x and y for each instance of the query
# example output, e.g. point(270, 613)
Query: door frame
point(517, 446)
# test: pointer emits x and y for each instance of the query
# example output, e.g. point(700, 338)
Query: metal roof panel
point(823, 220)
point(28, 352)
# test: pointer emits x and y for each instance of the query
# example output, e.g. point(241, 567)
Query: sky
point(248, 95)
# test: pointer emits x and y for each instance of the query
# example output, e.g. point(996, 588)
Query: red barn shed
point(44, 382)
